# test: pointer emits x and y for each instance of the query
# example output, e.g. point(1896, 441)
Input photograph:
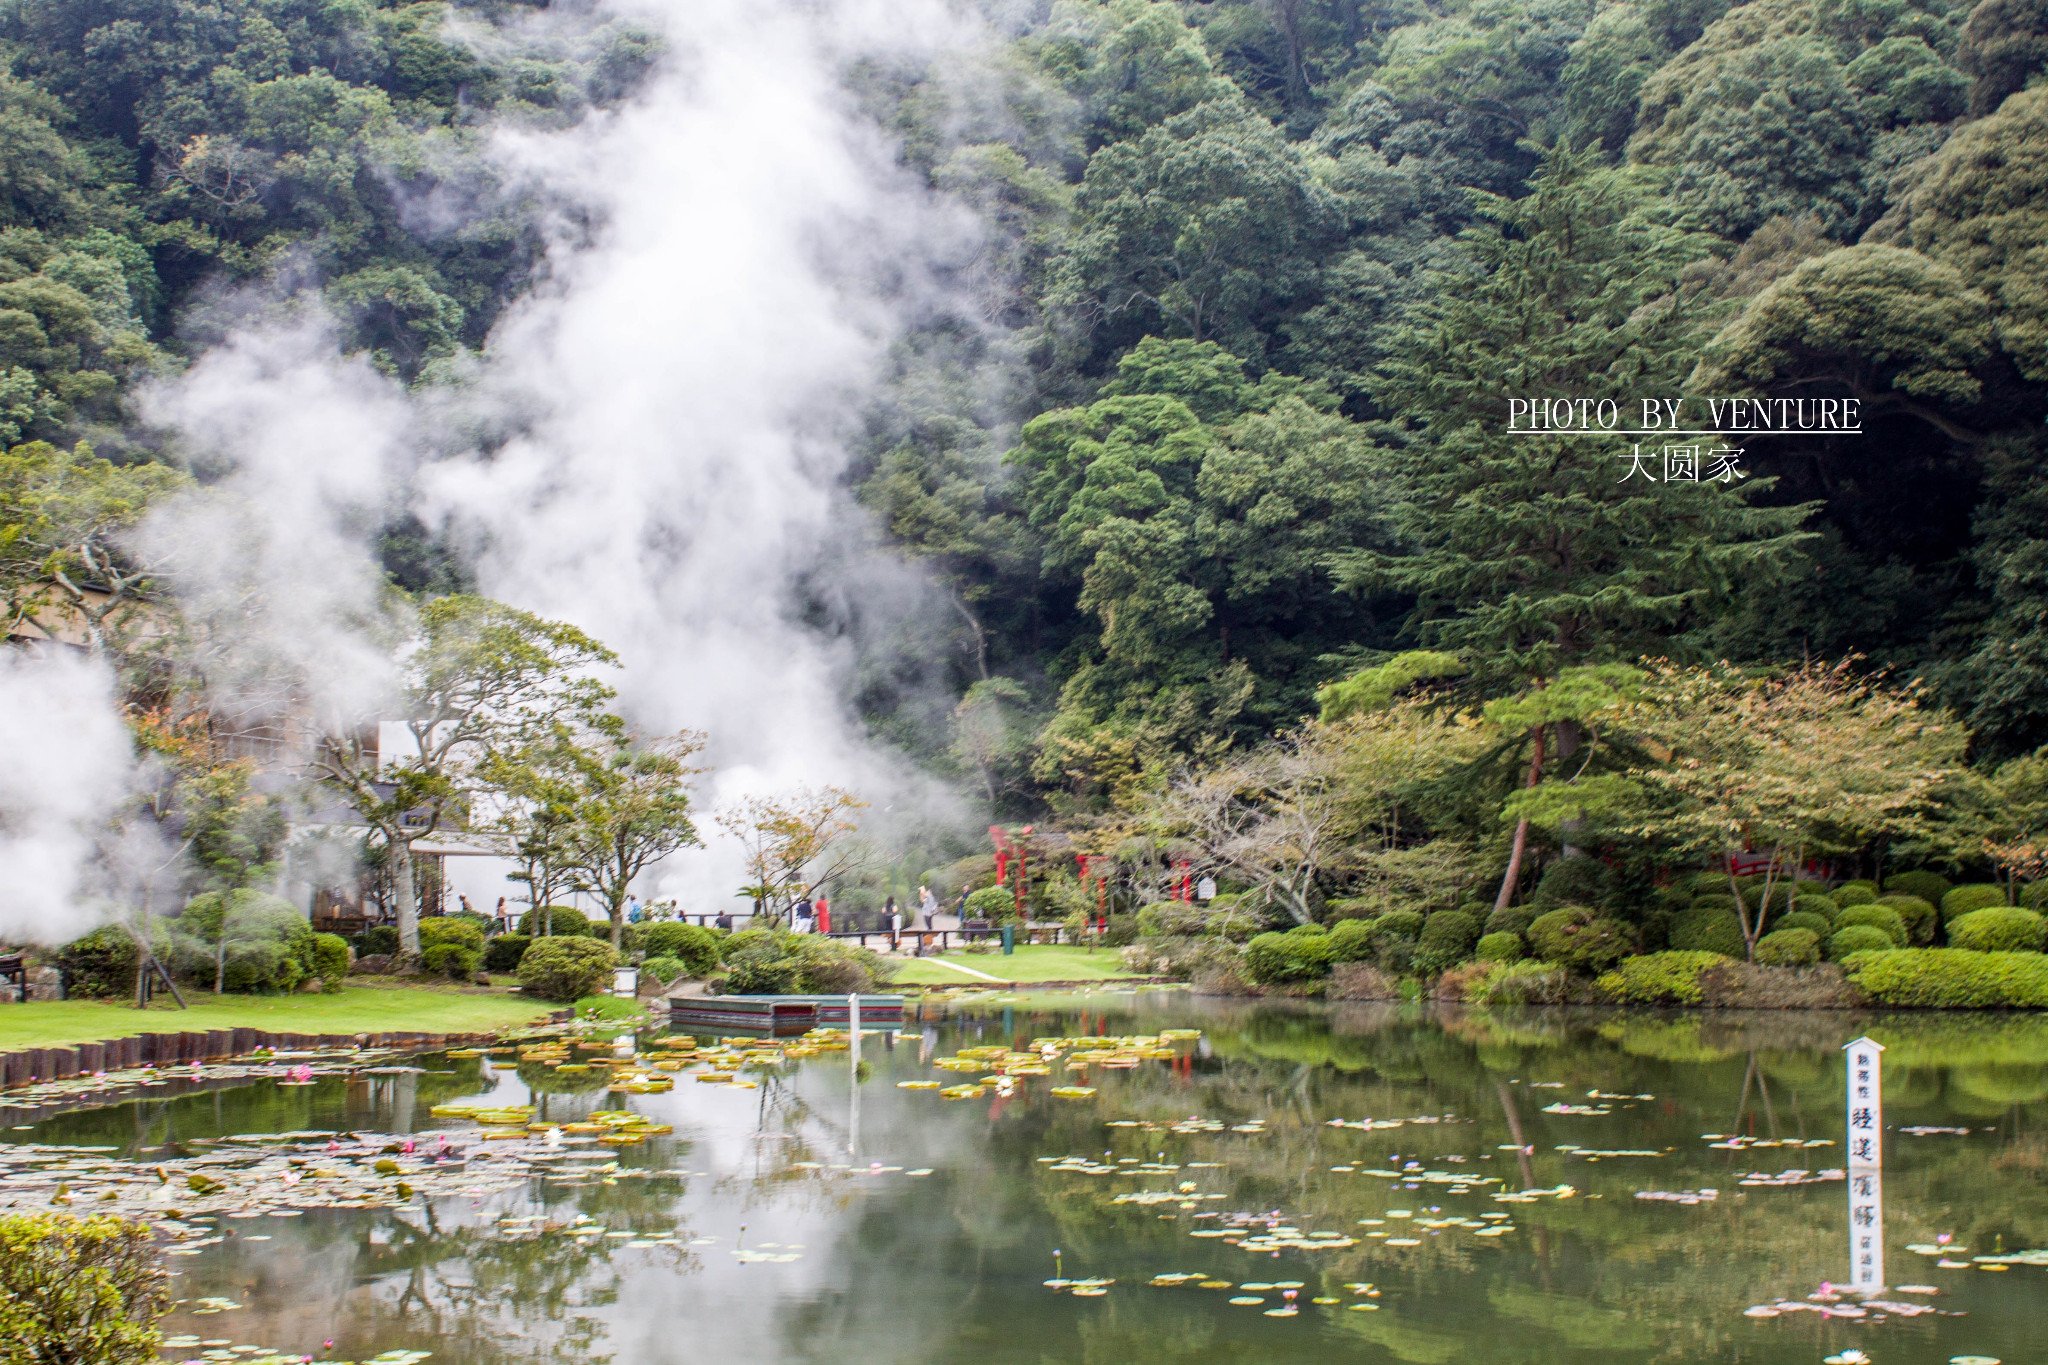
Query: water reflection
point(801, 1230)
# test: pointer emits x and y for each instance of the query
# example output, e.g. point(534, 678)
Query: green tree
point(632, 811)
point(1528, 554)
point(477, 680)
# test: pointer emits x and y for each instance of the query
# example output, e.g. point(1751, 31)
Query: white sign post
point(853, 1074)
point(1866, 1166)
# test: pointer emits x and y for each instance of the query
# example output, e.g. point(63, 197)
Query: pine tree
point(1527, 554)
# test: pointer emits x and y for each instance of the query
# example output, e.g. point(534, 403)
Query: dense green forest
point(1261, 278)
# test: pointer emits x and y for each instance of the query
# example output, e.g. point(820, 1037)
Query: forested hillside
point(1260, 280)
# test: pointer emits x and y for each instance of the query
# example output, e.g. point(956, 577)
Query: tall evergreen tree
point(1530, 553)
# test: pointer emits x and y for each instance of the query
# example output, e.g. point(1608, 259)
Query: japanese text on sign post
point(1866, 1166)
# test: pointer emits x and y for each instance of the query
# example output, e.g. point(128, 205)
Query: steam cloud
point(68, 765)
point(651, 445)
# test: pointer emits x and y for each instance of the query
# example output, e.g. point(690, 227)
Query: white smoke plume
point(653, 443)
point(68, 766)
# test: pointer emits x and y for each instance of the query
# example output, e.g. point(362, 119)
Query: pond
point(1371, 1183)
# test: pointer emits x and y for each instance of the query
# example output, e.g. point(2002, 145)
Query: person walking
point(895, 928)
point(824, 915)
point(889, 910)
point(929, 903)
point(502, 917)
point(632, 909)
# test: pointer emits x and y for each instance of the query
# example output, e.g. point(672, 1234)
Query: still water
point(1492, 1211)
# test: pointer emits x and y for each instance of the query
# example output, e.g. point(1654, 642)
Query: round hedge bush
point(1580, 939)
point(694, 946)
point(1447, 939)
point(992, 903)
point(1709, 929)
point(331, 959)
point(1789, 948)
point(1510, 919)
point(1715, 901)
point(439, 929)
point(1965, 899)
point(451, 960)
point(1858, 938)
point(566, 921)
point(1928, 886)
point(1351, 940)
point(1500, 946)
point(1920, 916)
point(1854, 893)
point(100, 965)
point(502, 953)
point(1881, 917)
point(1658, 979)
point(1821, 907)
point(2002, 930)
point(1953, 978)
point(662, 969)
point(1804, 919)
point(1405, 924)
point(565, 969)
point(1272, 959)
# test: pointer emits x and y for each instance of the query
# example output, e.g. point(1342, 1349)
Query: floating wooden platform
point(780, 1015)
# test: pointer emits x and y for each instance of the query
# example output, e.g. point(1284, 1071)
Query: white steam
point(688, 378)
point(652, 444)
point(68, 765)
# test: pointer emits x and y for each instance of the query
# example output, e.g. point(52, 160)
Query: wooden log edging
point(32, 1066)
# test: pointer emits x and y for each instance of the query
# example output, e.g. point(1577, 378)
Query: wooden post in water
point(853, 1072)
point(1866, 1165)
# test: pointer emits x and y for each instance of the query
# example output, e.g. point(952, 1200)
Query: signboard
point(1866, 1165)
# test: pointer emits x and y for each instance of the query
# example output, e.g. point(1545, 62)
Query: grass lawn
point(357, 1009)
point(1043, 962)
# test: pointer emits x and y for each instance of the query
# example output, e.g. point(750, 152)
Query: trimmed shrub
point(463, 933)
point(566, 921)
point(1953, 978)
point(1752, 889)
point(451, 960)
point(566, 968)
point(1500, 947)
point(502, 953)
point(1172, 919)
point(1854, 893)
point(1712, 882)
point(1405, 924)
point(1573, 881)
point(100, 965)
point(1858, 938)
point(1820, 907)
point(1512, 919)
point(1724, 903)
point(1789, 948)
point(1964, 899)
point(331, 959)
point(1273, 959)
point(776, 962)
point(1351, 940)
point(379, 940)
point(1709, 929)
point(1658, 979)
point(992, 903)
point(85, 1290)
point(269, 944)
point(1447, 939)
point(690, 944)
point(1878, 916)
point(662, 969)
point(1579, 939)
point(1519, 983)
point(1920, 916)
point(2005, 929)
point(1121, 931)
point(1804, 919)
point(1928, 886)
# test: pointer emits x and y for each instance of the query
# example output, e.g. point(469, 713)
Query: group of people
point(808, 915)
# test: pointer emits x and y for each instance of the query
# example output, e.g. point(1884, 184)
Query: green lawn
point(1040, 963)
point(357, 1009)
